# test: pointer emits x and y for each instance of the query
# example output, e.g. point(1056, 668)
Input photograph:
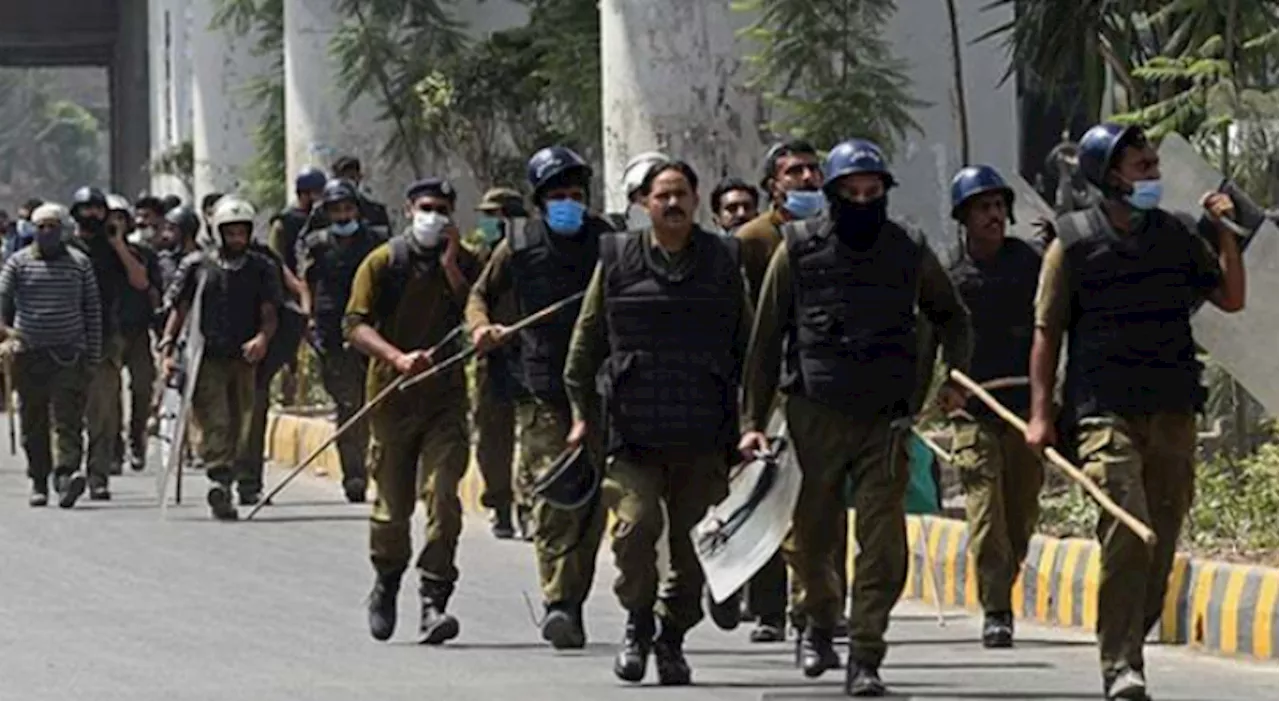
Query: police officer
point(328, 265)
point(116, 269)
point(734, 203)
point(373, 213)
point(408, 295)
point(842, 292)
point(237, 318)
point(636, 215)
point(177, 239)
point(664, 323)
point(550, 258)
point(137, 316)
point(1121, 280)
point(289, 226)
point(501, 211)
point(996, 276)
point(51, 315)
point(149, 218)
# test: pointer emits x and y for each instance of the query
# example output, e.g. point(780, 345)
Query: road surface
point(108, 602)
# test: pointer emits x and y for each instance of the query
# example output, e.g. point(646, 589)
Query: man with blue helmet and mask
point(548, 259)
point(1121, 281)
point(327, 265)
point(291, 225)
point(501, 210)
point(996, 276)
point(840, 297)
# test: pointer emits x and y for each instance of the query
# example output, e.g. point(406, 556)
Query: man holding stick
point(1121, 280)
point(408, 294)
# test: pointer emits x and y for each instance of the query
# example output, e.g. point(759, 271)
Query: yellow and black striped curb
point(1220, 607)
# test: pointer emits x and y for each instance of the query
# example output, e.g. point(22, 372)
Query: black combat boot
point(39, 492)
point(728, 613)
point(98, 490)
point(817, 653)
point(629, 665)
point(437, 626)
point(356, 488)
point(1128, 684)
point(69, 486)
point(382, 605)
point(562, 627)
point(863, 680)
point(668, 657)
point(501, 525)
point(997, 629)
point(219, 496)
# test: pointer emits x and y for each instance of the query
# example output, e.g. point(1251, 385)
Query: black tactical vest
point(669, 378)
point(853, 342)
point(1130, 349)
point(1000, 294)
point(295, 224)
point(547, 268)
point(332, 269)
point(231, 311)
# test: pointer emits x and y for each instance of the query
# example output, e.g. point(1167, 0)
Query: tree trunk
point(957, 68)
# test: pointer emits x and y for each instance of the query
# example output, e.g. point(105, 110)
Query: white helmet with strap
point(638, 169)
point(230, 210)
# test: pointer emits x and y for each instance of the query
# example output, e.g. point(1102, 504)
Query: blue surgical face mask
point(803, 204)
point(565, 216)
point(1146, 194)
point(345, 228)
point(492, 229)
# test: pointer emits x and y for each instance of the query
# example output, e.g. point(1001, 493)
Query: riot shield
point(191, 352)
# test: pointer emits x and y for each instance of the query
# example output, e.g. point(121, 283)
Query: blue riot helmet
point(855, 156)
point(556, 164)
point(1098, 149)
point(972, 181)
point(309, 179)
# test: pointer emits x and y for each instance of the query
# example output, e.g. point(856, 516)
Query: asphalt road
point(110, 602)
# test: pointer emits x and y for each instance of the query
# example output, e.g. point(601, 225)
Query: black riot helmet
point(185, 220)
point(87, 197)
point(339, 190)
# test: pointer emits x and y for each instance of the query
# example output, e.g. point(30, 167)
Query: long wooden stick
point(1128, 519)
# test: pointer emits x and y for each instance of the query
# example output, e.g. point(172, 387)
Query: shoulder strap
point(519, 237)
point(400, 254)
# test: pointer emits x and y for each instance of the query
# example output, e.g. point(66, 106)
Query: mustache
point(673, 209)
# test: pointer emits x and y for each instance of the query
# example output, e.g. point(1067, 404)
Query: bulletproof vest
point(1130, 349)
point(231, 315)
point(333, 268)
point(547, 268)
point(1000, 295)
point(853, 342)
point(669, 378)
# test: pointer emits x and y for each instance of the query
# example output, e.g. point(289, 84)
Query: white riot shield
point(739, 535)
point(178, 416)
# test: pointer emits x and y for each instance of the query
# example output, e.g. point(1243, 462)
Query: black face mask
point(92, 225)
point(857, 223)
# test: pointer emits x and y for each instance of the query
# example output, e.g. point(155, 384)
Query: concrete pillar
point(223, 116)
point(317, 130)
point(130, 100)
point(170, 85)
point(672, 81)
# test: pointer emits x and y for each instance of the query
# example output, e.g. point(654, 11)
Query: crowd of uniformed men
point(667, 371)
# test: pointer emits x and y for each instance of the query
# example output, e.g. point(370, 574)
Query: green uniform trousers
point(1146, 464)
point(636, 485)
point(1001, 479)
point(565, 542)
point(828, 445)
point(102, 411)
point(221, 409)
point(839, 560)
point(136, 357)
point(343, 373)
point(51, 386)
point(495, 419)
point(436, 435)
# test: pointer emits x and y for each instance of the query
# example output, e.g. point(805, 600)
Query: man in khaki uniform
point(664, 324)
point(407, 296)
point(850, 375)
point(996, 276)
point(500, 209)
point(1121, 280)
point(550, 258)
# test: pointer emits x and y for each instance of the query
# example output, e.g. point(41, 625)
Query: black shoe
point(501, 525)
point(98, 491)
point(219, 499)
point(997, 629)
point(357, 489)
point(673, 668)
point(863, 680)
point(382, 605)
point(250, 496)
point(138, 459)
point(769, 630)
point(69, 488)
point(562, 629)
point(727, 614)
point(630, 663)
point(437, 627)
point(39, 497)
point(817, 654)
point(1129, 684)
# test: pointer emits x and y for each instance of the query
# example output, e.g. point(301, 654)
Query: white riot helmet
point(230, 210)
point(638, 169)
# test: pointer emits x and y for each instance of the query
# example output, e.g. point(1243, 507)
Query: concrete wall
point(170, 81)
point(130, 119)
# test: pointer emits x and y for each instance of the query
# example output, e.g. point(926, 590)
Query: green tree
point(826, 69)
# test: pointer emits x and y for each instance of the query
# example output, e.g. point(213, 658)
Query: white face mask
point(428, 228)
